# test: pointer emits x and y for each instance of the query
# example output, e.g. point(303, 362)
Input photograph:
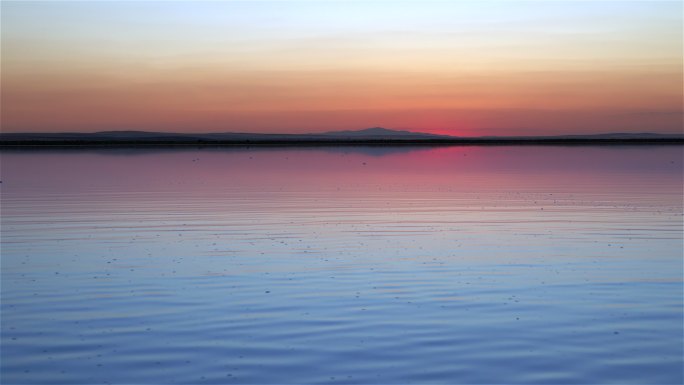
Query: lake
point(349, 265)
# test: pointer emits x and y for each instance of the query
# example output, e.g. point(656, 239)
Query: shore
point(339, 142)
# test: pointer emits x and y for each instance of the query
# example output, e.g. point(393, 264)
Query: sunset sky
point(460, 68)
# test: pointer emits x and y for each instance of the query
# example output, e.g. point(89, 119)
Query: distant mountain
point(380, 132)
point(374, 135)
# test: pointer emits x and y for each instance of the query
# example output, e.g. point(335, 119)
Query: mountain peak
point(376, 132)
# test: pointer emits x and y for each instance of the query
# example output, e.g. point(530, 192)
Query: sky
point(465, 68)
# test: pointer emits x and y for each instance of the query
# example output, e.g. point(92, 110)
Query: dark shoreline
point(6, 144)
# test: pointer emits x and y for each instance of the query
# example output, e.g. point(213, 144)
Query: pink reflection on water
point(346, 171)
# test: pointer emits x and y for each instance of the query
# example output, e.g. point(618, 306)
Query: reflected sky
point(396, 169)
point(343, 265)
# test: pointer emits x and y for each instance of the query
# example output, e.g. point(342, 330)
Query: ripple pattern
point(302, 267)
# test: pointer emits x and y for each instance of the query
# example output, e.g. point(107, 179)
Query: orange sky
point(461, 68)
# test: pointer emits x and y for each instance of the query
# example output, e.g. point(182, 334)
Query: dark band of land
point(433, 142)
point(369, 137)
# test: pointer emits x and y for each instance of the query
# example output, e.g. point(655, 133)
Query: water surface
point(350, 265)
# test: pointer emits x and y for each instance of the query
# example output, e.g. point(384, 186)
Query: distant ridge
point(370, 136)
point(382, 132)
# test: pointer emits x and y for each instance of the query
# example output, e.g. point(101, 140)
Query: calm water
point(343, 265)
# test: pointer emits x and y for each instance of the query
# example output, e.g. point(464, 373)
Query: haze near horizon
point(454, 68)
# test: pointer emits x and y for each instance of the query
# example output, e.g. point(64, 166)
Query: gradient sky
point(461, 68)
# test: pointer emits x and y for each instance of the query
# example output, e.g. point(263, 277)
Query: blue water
point(471, 265)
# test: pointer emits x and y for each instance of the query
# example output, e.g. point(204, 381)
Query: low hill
point(374, 135)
